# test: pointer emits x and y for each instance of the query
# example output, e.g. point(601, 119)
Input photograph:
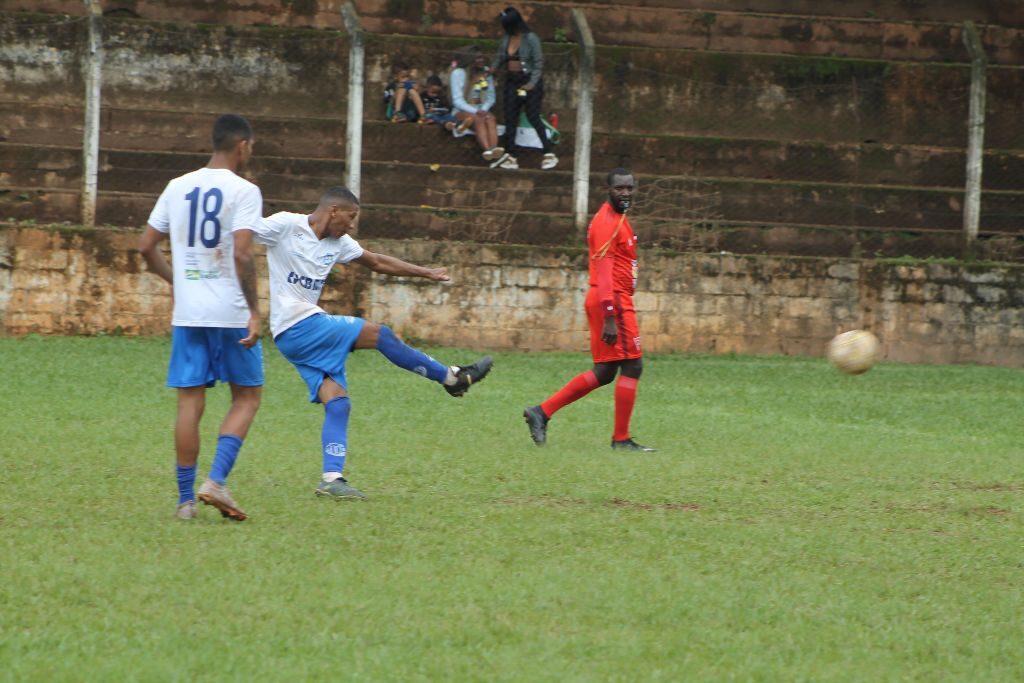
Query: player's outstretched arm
point(149, 247)
point(389, 265)
point(245, 270)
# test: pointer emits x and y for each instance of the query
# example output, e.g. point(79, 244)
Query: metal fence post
point(91, 129)
point(584, 122)
point(975, 138)
point(356, 74)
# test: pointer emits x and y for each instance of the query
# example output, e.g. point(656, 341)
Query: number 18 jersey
point(199, 211)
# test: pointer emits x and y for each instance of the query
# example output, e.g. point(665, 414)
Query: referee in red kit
point(614, 333)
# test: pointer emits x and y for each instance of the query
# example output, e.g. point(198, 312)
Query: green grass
point(795, 524)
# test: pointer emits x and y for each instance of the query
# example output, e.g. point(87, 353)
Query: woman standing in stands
point(472, 98)
point(521, 58)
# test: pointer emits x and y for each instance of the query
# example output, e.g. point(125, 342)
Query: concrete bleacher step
point(807, 28)
point(893, 30)
point(313, 138)
point(166, 131)
point(742, 95)
point(397, 221)
point(456, 187)
point(131, 209)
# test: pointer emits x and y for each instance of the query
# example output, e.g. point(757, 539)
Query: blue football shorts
point(319, 346)
point(202, 356)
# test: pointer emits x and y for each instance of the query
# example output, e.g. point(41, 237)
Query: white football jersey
point(299, 265)
point(199, 211)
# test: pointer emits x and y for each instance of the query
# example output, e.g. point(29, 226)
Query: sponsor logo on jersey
point(312, 283)
point(197, 274)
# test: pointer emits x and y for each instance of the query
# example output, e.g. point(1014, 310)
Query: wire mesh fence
point(724, 145)
point(869, 152)
point(163, 85)
point(40, 91)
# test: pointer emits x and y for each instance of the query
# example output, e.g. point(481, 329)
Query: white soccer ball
point(853, 352)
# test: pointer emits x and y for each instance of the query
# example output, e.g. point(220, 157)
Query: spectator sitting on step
point(402, 94)
point(473, 96)
point(437, 110)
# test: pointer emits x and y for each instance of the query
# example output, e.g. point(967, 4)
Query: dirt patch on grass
point(623, 503)
point(989, 511)
point(561, 502)
point(921, 507)
point(999, 487)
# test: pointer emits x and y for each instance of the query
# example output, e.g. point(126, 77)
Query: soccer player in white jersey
point(301, 251)
point(216, 323)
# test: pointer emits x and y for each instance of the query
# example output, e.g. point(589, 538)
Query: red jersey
point(612, 246)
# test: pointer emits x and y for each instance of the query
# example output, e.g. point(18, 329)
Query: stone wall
point(530, 298)
point(871, 29)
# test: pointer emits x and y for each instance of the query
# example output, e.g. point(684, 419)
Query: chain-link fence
point(1002, 200)
point(826, 155)
point(163, 85)
point(41, 95)
point(738, 152)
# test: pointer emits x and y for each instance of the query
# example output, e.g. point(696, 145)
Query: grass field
point(795, 524)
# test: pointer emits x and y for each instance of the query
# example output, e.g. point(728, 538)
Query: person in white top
point(473, 96)
point(301, 252)
point(216, 321)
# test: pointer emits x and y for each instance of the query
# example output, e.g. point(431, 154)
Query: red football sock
point(578, 387)
point(625, 397)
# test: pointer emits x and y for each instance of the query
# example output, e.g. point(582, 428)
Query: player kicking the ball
point(614, 334)
point(301, 251)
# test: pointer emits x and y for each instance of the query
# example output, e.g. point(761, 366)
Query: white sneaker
point(508, 162)
point(549, 161)
point(493, 153)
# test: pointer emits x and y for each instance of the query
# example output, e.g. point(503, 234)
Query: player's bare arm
point(245, 269)
point(389, 265)
point(149, 247)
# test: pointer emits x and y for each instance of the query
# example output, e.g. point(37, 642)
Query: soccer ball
point(853, 352)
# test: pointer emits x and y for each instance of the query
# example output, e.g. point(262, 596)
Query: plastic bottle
point(553, 118)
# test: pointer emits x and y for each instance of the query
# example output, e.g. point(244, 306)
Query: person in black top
point(521, 58)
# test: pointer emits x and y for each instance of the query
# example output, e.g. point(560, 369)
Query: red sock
point(625, 397)
point(578, 387)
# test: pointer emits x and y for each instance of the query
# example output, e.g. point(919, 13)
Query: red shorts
point(628, 344)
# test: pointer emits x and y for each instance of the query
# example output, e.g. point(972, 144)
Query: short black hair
point(618, 171)
point(512, 21)
point(434, 79)
point(399, 65)
point(229, 130)
point(338, 194)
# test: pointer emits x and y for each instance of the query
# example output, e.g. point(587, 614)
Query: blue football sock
point(335, 433)
point(224, 460)
point(186, 483)
point(406, 357)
